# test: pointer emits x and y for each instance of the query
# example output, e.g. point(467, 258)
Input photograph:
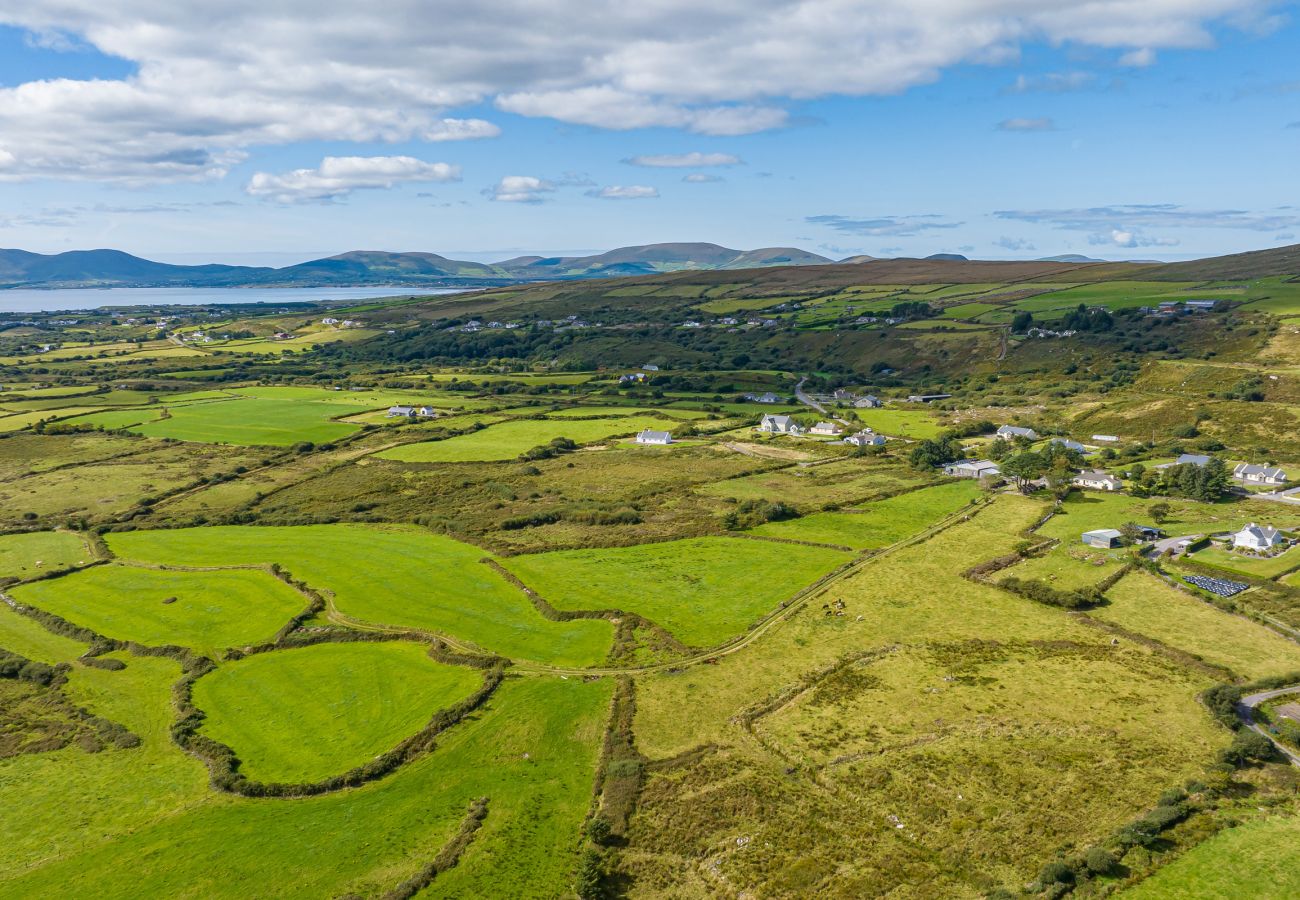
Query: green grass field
point(28, 638)
point(839, 482)
point(253, 422)
point(1088, 511)
point(309, 713)
point(145, 823)
point(509, 439)
point(703, 590)
point(1260, 860)
point(211, 609)
point(880, 523)
point(908, 423)
point(27, 555)
point(1265, 567)
point(388, 575)
point(1147, 605)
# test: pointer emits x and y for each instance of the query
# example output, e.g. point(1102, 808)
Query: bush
point(1056, 872)
point(1248, 747)
point(1100, 861)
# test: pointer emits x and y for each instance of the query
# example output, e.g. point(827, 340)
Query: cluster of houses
point(1253, 538)
point(767, 397)
point(471, 327)
point(407, 412)
point(341, 323)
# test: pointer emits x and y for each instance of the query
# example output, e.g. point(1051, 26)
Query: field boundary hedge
point(447, 857)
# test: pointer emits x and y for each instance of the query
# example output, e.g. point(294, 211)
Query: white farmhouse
point(772, 424)
point(826, 429)
point(400, 411)
point(654, 437)
point(1257, 537)
point(1008, 432)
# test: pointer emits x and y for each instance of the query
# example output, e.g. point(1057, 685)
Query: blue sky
point(974, 126)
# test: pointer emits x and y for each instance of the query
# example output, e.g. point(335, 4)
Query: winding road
point(1246, 709)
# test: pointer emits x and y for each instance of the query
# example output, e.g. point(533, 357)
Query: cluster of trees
point(1084, 319)
point(749, 513)
point(1055, 463)
point(1206, 483)
point(911, 309)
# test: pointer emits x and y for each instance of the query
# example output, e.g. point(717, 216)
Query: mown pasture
point(24, 636)
point(917, 424)
point(1253, 566)
point(845, 482)
point(203, 610)
point(509, 439)
point(1260, 859)
point(308, 713)
point(703, 590)
point(38, 552)
point(879, 523)
point(1145, 604)
point(401, 576)
point(146, 824)
point(253, 422)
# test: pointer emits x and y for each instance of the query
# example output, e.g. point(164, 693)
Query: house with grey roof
point(772, 424)
point(1007, 432)
point(768, 397)
point(1070, 445)
point(865, 439)
point(1252, 474)
point(1096, 480)
point(826, 429)
point(426, 412)
point(1257, 537)
point(654, 437)
point(400, 411)
point(871, 401)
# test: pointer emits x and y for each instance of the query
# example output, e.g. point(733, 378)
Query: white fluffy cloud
point(624, 192)
point(213, 79)
point(520, 189)
point(695, 160)
point(1043, 124)
point(339, 176)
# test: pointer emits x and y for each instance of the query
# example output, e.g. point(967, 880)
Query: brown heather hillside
point(1255, 264)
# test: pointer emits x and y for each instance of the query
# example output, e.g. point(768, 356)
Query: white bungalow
point(1252, 474)
point(826, 429)
point(1008, 432)
point(1257, 537)
point(865, 439)
point(659, 438)
point(400, 411)
point(1097, 481)
point(426, 412)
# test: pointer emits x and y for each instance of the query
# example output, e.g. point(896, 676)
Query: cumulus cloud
point(520, 189)
point(211, 80)
point(694, 160)
point(893, 226)
point(1104, 219)
point(1129, 239)
point(1052, 83)
point(1138, 59)
point(624, 192)
point(1042, 124)
point(702, 178)
point(338, 176)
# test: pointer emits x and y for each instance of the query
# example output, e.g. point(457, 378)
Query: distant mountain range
point(113, 268)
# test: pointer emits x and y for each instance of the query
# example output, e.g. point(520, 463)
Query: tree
point(587, 885)
point(999, 449)
point(1023, 321)
point(1100, 861)
point(1023, 468)
point(1159, 513)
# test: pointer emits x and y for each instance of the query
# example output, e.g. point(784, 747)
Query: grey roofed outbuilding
point(1191, 459)
point(1103, 537)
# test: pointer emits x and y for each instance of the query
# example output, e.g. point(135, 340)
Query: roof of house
point(1261, 533)
point(1191, 459)
point(779, 421)
point(1111, 533)
point(1244, 469)
point(975, 464)
point(1068, 443)
point(655, 436)
point(1017, 431)
point(1096, 475)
